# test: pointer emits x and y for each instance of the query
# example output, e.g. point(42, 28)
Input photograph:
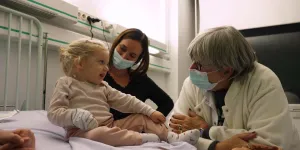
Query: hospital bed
point(28, 79)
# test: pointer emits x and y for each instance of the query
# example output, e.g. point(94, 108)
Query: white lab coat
point(258, 105)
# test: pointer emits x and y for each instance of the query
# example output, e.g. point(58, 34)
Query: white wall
point(172, 80)
point(181, 33)
point(130, 14)
point(244, 14)
point(186, 24)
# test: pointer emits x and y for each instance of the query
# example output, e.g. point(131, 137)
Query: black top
point(142, 88)
point(220, 102)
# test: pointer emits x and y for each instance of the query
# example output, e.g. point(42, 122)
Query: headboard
point(278, 47)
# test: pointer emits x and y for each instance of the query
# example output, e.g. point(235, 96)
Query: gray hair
point(223, 47)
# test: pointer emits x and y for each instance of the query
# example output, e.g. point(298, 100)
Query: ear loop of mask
point(222, 78)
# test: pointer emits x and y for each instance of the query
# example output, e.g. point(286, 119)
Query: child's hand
point(158, 117)
point(84, 120)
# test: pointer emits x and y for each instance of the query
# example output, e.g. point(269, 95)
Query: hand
point(237, 141)
point(158, 117)
point(10, 137)
point(19, 139)
point(243, 148)
point(263, 147)
point(190, 122)
point(84, 120)
point(258, 147)
point(27, 136)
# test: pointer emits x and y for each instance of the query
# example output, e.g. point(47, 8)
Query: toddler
point(81, 102)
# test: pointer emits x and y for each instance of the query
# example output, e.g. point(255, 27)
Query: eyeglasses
point(199, 66)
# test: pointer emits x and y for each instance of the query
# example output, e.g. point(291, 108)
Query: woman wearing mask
point(130, 50)
point(228, 92)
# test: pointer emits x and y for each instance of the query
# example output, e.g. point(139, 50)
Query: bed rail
point(20, 38)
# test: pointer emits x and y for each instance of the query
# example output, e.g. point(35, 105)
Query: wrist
point(151, 113)
point(220, 146)
point(223, 146)
point(205, 133)
point(213, 146)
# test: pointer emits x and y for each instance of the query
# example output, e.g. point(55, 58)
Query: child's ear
point(78, 64)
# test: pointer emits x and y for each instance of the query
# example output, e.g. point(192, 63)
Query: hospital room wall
point(181, 33)
point(248, 14)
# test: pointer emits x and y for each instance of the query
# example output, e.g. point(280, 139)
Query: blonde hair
point(224, 47)
point(78, 50)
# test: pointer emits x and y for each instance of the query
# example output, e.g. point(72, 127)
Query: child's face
point(95, 67)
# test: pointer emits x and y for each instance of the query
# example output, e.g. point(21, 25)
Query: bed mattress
point(51, 137)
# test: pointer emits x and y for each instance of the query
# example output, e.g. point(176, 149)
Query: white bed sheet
point(48, 136)
point(51, 137)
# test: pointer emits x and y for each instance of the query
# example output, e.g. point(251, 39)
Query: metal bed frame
point(21, 16)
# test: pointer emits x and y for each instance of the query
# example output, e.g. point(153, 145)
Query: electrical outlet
point(83, 17)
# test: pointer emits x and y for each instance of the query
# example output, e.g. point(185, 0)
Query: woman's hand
point(9, 140)
point(240, 142)
point(257, 147)
point(263, 147)
point(181, 123)
point(157, 117)
point(10, 137)
point(27, 136)
point(18, 139)
point(237, 141)
point(243, 148)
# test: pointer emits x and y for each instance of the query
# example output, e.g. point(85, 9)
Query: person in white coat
point(229, 92)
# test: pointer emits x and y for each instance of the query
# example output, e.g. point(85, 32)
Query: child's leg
point(111, 136)
point(139, 123)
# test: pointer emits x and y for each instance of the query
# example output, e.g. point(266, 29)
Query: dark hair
point(137, 35)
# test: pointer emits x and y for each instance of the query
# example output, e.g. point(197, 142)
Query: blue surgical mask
point(200, 79)
point(121, 63)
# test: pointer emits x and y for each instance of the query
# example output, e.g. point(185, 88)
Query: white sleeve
point(269, 117)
